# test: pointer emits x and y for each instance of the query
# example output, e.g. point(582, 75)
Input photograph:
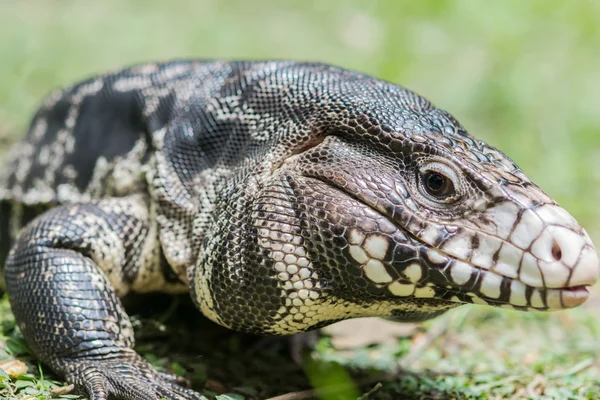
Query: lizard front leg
point(65, 274)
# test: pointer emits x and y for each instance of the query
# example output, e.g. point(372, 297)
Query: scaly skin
point(283, 196)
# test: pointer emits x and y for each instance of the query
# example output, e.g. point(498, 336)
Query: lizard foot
point(129, 377)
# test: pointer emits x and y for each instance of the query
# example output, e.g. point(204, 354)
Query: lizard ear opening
point(298, 151)
point(309, 144)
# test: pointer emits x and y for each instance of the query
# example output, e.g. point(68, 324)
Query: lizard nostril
point(556, 250)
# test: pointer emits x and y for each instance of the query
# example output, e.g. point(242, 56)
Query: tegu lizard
point(283, 196)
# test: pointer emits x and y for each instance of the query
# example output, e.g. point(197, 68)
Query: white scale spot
point(430, 234)
point(401, 289)
point(556, 274)
point(424, 292)
point(358, 254)
point(480, 204)
point(510, 255)
point(376, 272)
point(542, 247)
point(556, 215)
point(459, 246)
point(298, 285)
point(283, 276)
point(280, 267)
point(517, 293)
point(530, 226)
point(304, 273)
point(520, 198)
point(460, 272)
point(504, 216)
point(483, 256)
point(510, 271)
point(288, 248)
point(553, 299)
point(490, 285)
point(413, 272)
point(300, 252)
point(536, 299)
point(376, 246)
point(290, 259)
point(302, 262)
point(436, 257)
point(530, 273)
point(356, 237)
point(586, 270)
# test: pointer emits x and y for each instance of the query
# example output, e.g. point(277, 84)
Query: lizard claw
point(129, 377)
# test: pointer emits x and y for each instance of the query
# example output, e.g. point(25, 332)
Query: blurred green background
point(521, 75)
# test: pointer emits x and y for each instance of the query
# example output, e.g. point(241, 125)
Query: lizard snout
point(561, 255)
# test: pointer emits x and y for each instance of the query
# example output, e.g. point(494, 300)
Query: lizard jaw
point(497, 290)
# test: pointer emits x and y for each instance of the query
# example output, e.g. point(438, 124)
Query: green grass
point(522, 75)
point(471, 353)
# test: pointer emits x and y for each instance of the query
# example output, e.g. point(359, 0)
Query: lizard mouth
point(517, 295)
point(473, 284)
point(574, 296)
point(454, 280)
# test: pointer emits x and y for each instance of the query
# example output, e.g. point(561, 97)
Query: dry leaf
point(531, 358)
point(59, 391)
point(360, 332)
point(14, 368)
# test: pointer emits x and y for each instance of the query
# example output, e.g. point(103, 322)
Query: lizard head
point(383, 205)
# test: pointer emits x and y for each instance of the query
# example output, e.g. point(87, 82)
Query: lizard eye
point(438, 185)
point(439, 182)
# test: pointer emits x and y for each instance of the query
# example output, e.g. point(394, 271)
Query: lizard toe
point(129, 377)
